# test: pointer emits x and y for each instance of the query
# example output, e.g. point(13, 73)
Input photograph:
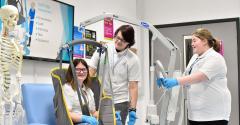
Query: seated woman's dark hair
point(69, 75)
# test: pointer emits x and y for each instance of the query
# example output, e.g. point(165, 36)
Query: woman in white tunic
point(209, 99)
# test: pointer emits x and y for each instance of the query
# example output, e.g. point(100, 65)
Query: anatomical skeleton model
point(11, 55)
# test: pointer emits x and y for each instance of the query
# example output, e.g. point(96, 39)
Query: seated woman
point(70, 93)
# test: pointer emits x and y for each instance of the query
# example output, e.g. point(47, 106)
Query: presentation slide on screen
point(50, 24)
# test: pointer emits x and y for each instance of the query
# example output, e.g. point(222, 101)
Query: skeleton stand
point(11, 54)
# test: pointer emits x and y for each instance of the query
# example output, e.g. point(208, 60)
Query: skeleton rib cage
point(10, 55)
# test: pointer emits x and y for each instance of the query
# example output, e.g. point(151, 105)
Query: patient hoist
point(169, 99)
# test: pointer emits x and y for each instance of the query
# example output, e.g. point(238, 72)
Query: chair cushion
point(38, 103)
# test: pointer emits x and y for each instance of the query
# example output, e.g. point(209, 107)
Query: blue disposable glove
point(160, 82)
point(132, 118)
point(89, 119)
point(118, 117)
point(169, 82)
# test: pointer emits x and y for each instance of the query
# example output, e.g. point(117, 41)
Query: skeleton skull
point(9, 16)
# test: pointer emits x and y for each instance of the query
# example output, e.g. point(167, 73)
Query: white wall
point(85, 9)
point(172, 11)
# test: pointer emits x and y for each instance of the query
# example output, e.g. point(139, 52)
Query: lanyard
point(191, 67)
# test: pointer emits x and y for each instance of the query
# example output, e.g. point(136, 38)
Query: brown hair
point(203, 33)
point(127, 33)
point(69, 75)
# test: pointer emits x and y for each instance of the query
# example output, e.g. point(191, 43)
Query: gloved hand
point(160, 82)
point(118, 117)
point(132, 118)
point(169, 82)
point(89, 119)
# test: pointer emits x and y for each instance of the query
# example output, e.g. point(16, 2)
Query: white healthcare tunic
point(72, 98)
point(125, 67)
point(211, 99)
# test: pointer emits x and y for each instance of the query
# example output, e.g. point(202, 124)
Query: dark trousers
point(218, 122)
point(123, 107)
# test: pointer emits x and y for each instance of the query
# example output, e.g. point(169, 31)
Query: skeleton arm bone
point(18, 57)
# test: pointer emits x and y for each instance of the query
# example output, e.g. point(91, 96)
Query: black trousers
point(218, 122)
point(123, 107)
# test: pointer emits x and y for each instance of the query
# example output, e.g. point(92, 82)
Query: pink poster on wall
point(108, 28)
point(221, 48)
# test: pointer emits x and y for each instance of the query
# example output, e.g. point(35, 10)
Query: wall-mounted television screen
point(47, 24)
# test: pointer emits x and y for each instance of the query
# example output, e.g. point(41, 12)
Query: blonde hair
point(203, 33)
